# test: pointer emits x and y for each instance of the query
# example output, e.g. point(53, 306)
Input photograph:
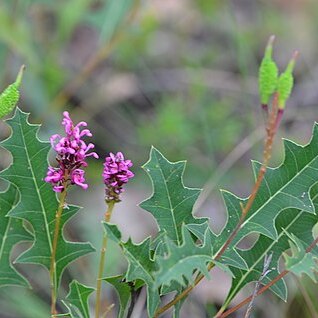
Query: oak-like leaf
point(38, 203)
point(123, 290)
point(300, 261)
point(285, 200)
point(78, 297)
point(171, 203)
point(12, 232)
point(141, 266)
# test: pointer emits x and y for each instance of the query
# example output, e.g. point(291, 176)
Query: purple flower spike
point(116, 173)
point(72, 152)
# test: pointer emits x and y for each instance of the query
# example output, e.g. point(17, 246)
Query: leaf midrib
point(139, 264)
point(280, 190)
point(277, 192)
point(81, 301)
point(36, 185)
point(5, 236)
point(170, 204)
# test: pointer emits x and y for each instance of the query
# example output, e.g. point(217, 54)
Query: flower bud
point(268, 74)
point(10, 96)
point(286, 82)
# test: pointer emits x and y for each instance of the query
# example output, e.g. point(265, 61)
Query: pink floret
point(72, 152)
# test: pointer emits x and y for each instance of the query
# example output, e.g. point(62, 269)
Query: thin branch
point(271, 131)
point(183, 294)
point(267, 261)
point(245, 145)
point(63, 96)
point(109, 308)
point(248, 299)
point(312, 245)
point(264, 288)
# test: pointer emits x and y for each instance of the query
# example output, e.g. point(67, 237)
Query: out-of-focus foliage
point(178, 74)
point(178, 66)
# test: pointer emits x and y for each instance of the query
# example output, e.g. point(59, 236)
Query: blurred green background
point(177, 74)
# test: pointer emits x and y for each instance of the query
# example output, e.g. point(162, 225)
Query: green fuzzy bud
point(10, 96)
point(286, 83)
point(268, 74)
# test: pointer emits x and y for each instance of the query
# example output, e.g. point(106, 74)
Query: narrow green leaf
point(68, 18)
point(11, 233)
point(18, 37)
point(38, 203)
point(171, 203)
point(78, 297)
point(140, 264)
point(109, 17)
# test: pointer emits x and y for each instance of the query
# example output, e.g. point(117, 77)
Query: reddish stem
point(248, 299)
point(264, 288)
point(271, 130)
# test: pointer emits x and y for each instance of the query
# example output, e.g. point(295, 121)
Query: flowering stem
point(108, 215)
point(54, 248)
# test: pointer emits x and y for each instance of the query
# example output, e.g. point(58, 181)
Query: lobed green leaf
point(141, 266)
point(171, 203)
point(78, 297)
point(38, 203)
point(123, 290)
point(11, 233)
point(182, 260)
point(286, 200)
point(300, 261)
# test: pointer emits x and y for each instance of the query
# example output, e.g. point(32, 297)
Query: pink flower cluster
point(116, 173)
point(72, 152)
